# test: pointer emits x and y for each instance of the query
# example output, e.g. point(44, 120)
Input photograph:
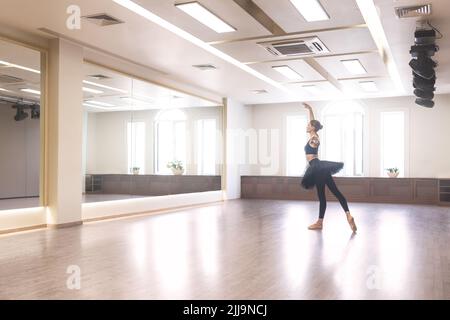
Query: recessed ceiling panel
point(314, 90)
point(356, 88)
point(371, 62)
point(306, 72)
point(228, 11)
point(283, 12)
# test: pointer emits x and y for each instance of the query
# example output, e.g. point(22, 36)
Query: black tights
point(322, 198)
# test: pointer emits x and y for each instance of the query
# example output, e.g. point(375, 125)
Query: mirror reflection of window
point(170, 139)
point(136, 147)
point(206, 146)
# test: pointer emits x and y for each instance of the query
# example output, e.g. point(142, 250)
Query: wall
point(19, 156)
point(239, 120)
point(427, 131)
point(106, 143)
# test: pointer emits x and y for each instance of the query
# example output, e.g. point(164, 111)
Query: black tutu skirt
point(318, 171)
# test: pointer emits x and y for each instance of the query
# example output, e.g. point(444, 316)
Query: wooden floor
point(242, 249)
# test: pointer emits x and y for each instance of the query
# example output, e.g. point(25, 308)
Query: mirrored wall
point(145, 140)
point(20, 126)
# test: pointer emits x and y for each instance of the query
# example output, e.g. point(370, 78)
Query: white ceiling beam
point(370, 14)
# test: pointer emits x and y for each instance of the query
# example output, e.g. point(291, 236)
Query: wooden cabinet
point(356, 189)
point(444, 191)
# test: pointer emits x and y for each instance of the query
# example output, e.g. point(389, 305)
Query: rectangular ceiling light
point(354, 66)
point(287, 72)
point(368, 86)
point(311, 10)
point(103, 86)
point(311, 89)
point(31, 91)
point(12, 65)
point(1, 89)
point(102, 104)
point(85, 89)
point(206, 17)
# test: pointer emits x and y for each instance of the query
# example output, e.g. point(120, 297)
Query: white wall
point(427, 133)
point(106, 143)
point(19, 156)
point(238, 120)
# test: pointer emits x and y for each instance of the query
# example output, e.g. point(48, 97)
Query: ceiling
point(347, 35)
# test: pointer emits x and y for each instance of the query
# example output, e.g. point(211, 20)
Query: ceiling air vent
point(98, 76)
point(295, 47)
point(4, 78)
point(102, 19)
point(259, 91)
point(204, 67)
point(413, 11)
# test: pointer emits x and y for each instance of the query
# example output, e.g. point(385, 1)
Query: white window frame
point(406, 149)
point(326, 113)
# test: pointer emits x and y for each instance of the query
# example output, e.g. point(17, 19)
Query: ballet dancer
point(319, 173)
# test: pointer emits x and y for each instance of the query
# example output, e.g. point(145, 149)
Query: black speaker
point(425, 103)
point(423, 66)
point(422, 83)
point(424, 94)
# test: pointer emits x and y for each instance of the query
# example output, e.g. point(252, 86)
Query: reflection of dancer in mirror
point(319, 173)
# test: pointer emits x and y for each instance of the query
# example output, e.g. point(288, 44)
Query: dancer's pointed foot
point(316, 226)
point(351, 222)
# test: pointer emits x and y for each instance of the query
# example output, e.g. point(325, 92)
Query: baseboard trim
point(24, 229)
point(64, 225)
point(151, 212)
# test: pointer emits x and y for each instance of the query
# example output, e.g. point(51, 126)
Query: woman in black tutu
point(319, 173)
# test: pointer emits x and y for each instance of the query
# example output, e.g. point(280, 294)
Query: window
point(296, 138)
point(136, 147)
point(343, 136)
point(393, 141)
point(170, 140)
point(206, 150)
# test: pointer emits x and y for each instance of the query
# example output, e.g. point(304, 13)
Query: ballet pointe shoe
point(316, 226)
point(351, 222)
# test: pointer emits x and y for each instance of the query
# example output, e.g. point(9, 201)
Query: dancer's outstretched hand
point(307, 106)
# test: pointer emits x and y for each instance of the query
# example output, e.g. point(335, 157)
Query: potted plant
point(392, 172)
point(135, 170)
point(176, 167)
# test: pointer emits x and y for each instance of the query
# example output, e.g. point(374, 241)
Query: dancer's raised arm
point(311, 113)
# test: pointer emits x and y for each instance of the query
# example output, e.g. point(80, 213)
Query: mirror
point(145, 140)
point(20, 139)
